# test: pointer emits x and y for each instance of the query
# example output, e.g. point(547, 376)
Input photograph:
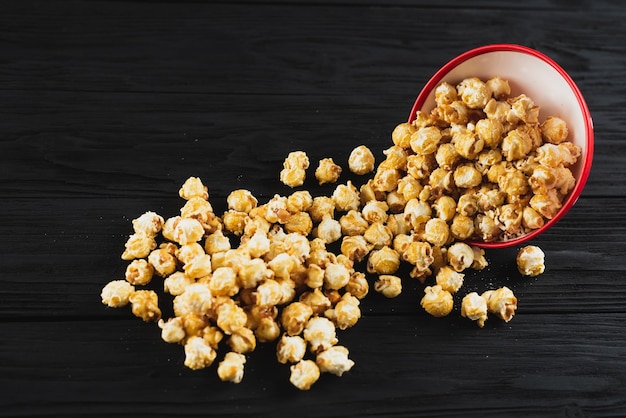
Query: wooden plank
point(121, 368)
point(101, 143)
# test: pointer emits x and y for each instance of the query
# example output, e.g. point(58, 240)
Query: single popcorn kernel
point(173, 330)
point(320, 334)
point(116, 293)
point(290, 349)
point(530, 261)
point(501, 302)
point(334, 360)
point(162, 262)
point(149, 224)
point(449, 279)
point(138, 245)
point(145, 305)
point(241, 200)
point(327, 171)
point(388, 285)
point(436, 301)
point(198, 353)
point(474, 307)
point(293, 173)
point(231, 368)
point(193, 187)
point(139, 272)
point(361, 160)
point(304, 374)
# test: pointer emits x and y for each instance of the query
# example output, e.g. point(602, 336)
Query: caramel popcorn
point(501, 302)
point(145, 305)
point(327, 171)
point(116, 293)
point(388, 285)
point(290, 349)
point(149, 224)
point(320, 334)
point(198, 353)
point(530, 261)
point(138, 245)
point(193, 187)
point(231, 368)
point(139, 272)
point(361, 160)
point(474, 307)
point(436, 301)
point(478, 166)
point(334, 360)
point(293, 173)
point(304, 374)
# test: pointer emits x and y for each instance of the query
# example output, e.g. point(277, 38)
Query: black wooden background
point(106, 107)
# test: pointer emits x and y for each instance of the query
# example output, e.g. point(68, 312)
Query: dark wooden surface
point(106, 107)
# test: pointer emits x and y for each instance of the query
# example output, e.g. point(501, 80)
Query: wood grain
point(106, 107)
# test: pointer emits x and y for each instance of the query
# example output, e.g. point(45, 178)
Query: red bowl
point(546, 83)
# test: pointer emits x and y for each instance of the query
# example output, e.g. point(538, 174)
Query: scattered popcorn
point(480, 165)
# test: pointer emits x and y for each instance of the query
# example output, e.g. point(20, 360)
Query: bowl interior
point(538, 77)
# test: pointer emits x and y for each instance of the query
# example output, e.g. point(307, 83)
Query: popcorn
point(449, 279)
point(242, 340)
point(327, 171)
point(294, 169)
point(290, 349)
point(149, 224)
point(388, 285)
point(436, 301)
point(198, 354)
point(320, 334)
point(139, 272)
point(478, 166)
point(304, 374)
point(231, 368)
point(294, 317)
point(501, 302)
point(241, 200)
point(474, 307)
point(138, 245)
point(346, 312)
point(173, 330)
point(530, 261)
point(383, 261)
point(334, 360)
point(162, 262)
point(145, 305)
point(116, 293)
point(193, 187)
point(361, 160)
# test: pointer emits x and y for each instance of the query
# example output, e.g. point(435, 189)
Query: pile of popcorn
point(478, 166)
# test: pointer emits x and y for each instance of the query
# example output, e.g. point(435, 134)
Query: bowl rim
point(573, 196)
